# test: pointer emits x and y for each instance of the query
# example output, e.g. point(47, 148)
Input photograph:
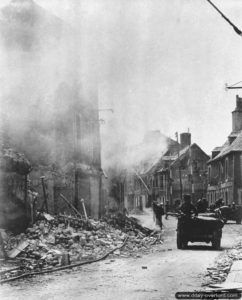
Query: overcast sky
point(162, 64)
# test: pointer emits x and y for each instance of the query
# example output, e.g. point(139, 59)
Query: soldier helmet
point(187, 197)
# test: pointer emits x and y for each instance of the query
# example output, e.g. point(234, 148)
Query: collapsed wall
point(14, 207)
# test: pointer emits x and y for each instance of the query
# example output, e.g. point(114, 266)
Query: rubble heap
point(219, 272)
point(56, 241)
point(125, 223)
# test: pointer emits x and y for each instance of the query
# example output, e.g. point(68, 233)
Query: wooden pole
point(75, 161)
point(45, 203)
point(84, 208)
point(149, 192)
point(179, 167)
point(69, 203)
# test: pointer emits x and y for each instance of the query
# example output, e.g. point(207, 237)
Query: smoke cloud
point(50, 64)
point(158, 64)
point(42, 80)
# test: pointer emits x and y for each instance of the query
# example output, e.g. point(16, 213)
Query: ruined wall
point(49, 101)
point(14, 205)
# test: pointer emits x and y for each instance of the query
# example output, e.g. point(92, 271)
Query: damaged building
point(180, 169)
point(50, 107)
point(225, 165)
point(15, 212)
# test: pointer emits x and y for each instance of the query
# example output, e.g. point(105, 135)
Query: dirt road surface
point(157, 275)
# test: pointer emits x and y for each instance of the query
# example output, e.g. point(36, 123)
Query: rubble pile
point(62, 240)
point(219, 272)
point(136, 211)
point(126, 224)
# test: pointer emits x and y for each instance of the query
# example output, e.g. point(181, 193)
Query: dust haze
point(49, 65)
point(136, 56)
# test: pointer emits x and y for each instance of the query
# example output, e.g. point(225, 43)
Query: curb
point(235, 273)
point(233, 280)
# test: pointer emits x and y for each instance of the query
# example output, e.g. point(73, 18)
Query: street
point(158, 275)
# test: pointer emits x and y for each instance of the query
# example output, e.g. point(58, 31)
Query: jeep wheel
point(216, 243)
point(181, 244)
point(216, 240)
point(179, 241)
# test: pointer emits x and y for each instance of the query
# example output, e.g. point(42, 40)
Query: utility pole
point(169, 185)
point(76, 130)
point(179, 166)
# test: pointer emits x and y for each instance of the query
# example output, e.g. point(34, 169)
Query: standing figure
point(187, 208)
point(219, 203)
point(205, 204)
point(200, 206)
point(158, 212)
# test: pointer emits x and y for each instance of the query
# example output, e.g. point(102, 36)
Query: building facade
point(225, 165)
point(180, 169)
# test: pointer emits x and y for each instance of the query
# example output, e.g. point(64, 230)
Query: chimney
point(237, 115)
point(185, 139)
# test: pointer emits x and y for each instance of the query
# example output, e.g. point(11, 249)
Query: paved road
point(168, 270)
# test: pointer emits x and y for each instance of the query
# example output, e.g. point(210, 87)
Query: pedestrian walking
point(158, 212)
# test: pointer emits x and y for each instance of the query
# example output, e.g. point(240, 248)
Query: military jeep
point(231, 214)
point(199, 229)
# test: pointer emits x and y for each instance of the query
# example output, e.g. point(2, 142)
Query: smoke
point(53, 56)
point(42, 85)
point(143, 55)
point(148, 219)
point(139, 158)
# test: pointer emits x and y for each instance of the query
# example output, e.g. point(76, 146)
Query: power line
point(233, 86)
point(236, 29)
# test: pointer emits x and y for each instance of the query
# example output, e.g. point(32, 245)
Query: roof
point(146, 161)
point(161, 166)
point(235, 146)
point(219, 149)
point(147, 156)
point(216, 149)
point(184, 152)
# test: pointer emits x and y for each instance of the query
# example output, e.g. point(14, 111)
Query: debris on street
point(219, 272)
point(19, 248)
point(125, 223)
point(56, 241)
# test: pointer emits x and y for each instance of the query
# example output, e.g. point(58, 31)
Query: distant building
point(191, 167)
point(179, 169)
point(225, 166)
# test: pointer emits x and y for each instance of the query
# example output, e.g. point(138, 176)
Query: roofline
point(222, 156)
point(188, 148)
